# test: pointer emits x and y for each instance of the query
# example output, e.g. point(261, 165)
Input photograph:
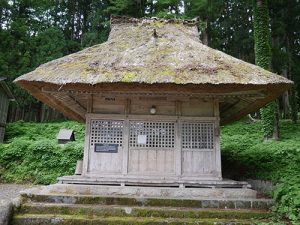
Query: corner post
point(178, 149)
point(218, 167)
point(86, 146)
point(125, 156)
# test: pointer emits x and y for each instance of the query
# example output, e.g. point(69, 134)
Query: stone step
point(144, 201)
point(147, 192)
point(129, 211)
point(46, 219)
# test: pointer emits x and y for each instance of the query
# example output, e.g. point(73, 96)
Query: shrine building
point(153, 98)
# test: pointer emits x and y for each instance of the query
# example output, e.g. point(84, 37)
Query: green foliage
point(287, 196)
point(33, 155)
point(246, 155)
point(268, 118)
point(262, 35)
point(127, 7)
point(263, 58)
point(50, 45)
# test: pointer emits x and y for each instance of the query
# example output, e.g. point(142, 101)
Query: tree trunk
point(294, 104)
point(263, 57)
point(285, 96)
point(205, 33)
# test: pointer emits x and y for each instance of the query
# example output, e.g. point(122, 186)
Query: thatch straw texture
point(135, 53)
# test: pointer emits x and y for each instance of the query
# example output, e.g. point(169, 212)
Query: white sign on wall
point(142, 139)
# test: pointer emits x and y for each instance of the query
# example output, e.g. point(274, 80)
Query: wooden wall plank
point(151, 162)
point(197, 162)
point(197, 108)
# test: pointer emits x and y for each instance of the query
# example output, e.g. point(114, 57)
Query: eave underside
point(75, 100)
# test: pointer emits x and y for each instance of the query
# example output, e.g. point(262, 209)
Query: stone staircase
point(41, 208)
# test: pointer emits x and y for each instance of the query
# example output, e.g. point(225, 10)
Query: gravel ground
point(10, 191)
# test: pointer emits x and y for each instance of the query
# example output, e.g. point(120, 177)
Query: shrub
point(246, 155)
point(33, 155)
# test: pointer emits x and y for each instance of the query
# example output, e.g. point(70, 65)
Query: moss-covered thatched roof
point(134, 54)
point(152, 52)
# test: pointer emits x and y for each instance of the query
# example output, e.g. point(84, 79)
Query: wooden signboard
point(106, 148)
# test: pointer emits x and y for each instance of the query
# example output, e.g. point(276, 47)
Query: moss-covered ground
point(29, 219)
point(31, 155)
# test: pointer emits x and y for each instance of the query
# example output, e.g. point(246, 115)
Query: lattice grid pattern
point(158, 134)
point(107, 132)
point(197, 135)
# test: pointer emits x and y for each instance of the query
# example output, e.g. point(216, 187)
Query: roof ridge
point(115, 19)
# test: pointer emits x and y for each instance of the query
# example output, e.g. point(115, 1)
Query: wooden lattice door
point(198, 148)
point(151, 148)
point(106, 132)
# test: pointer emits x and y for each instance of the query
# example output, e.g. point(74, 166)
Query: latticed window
point(152, 134)
point(197, 135)
point(107, 132)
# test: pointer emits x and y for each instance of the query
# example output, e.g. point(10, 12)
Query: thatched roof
point(152, 53)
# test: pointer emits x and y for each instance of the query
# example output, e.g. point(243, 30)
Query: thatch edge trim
point(136, 86)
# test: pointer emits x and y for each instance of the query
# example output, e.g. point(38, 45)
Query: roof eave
point(43, 92)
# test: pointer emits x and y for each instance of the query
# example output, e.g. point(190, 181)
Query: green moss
point(100, 206)
point(122, 45)
point(88, 71)
point(30, 219)
point(128, 77)
point(73, 64)
point(158, 24)
point(173, 203)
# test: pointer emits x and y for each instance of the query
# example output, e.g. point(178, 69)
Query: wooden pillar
point(217, 140)
point(89, 109)
point(89, 106)
point(86, 146)
point(178, 149)
point(125, 156)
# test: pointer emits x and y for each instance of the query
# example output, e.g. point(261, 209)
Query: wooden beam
point(161, 95)
point(71, 102)
point(89, 104)
point(229, 105)
point(128, 107)
point(53, 102)
point(252, 107)
point(178, 108)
